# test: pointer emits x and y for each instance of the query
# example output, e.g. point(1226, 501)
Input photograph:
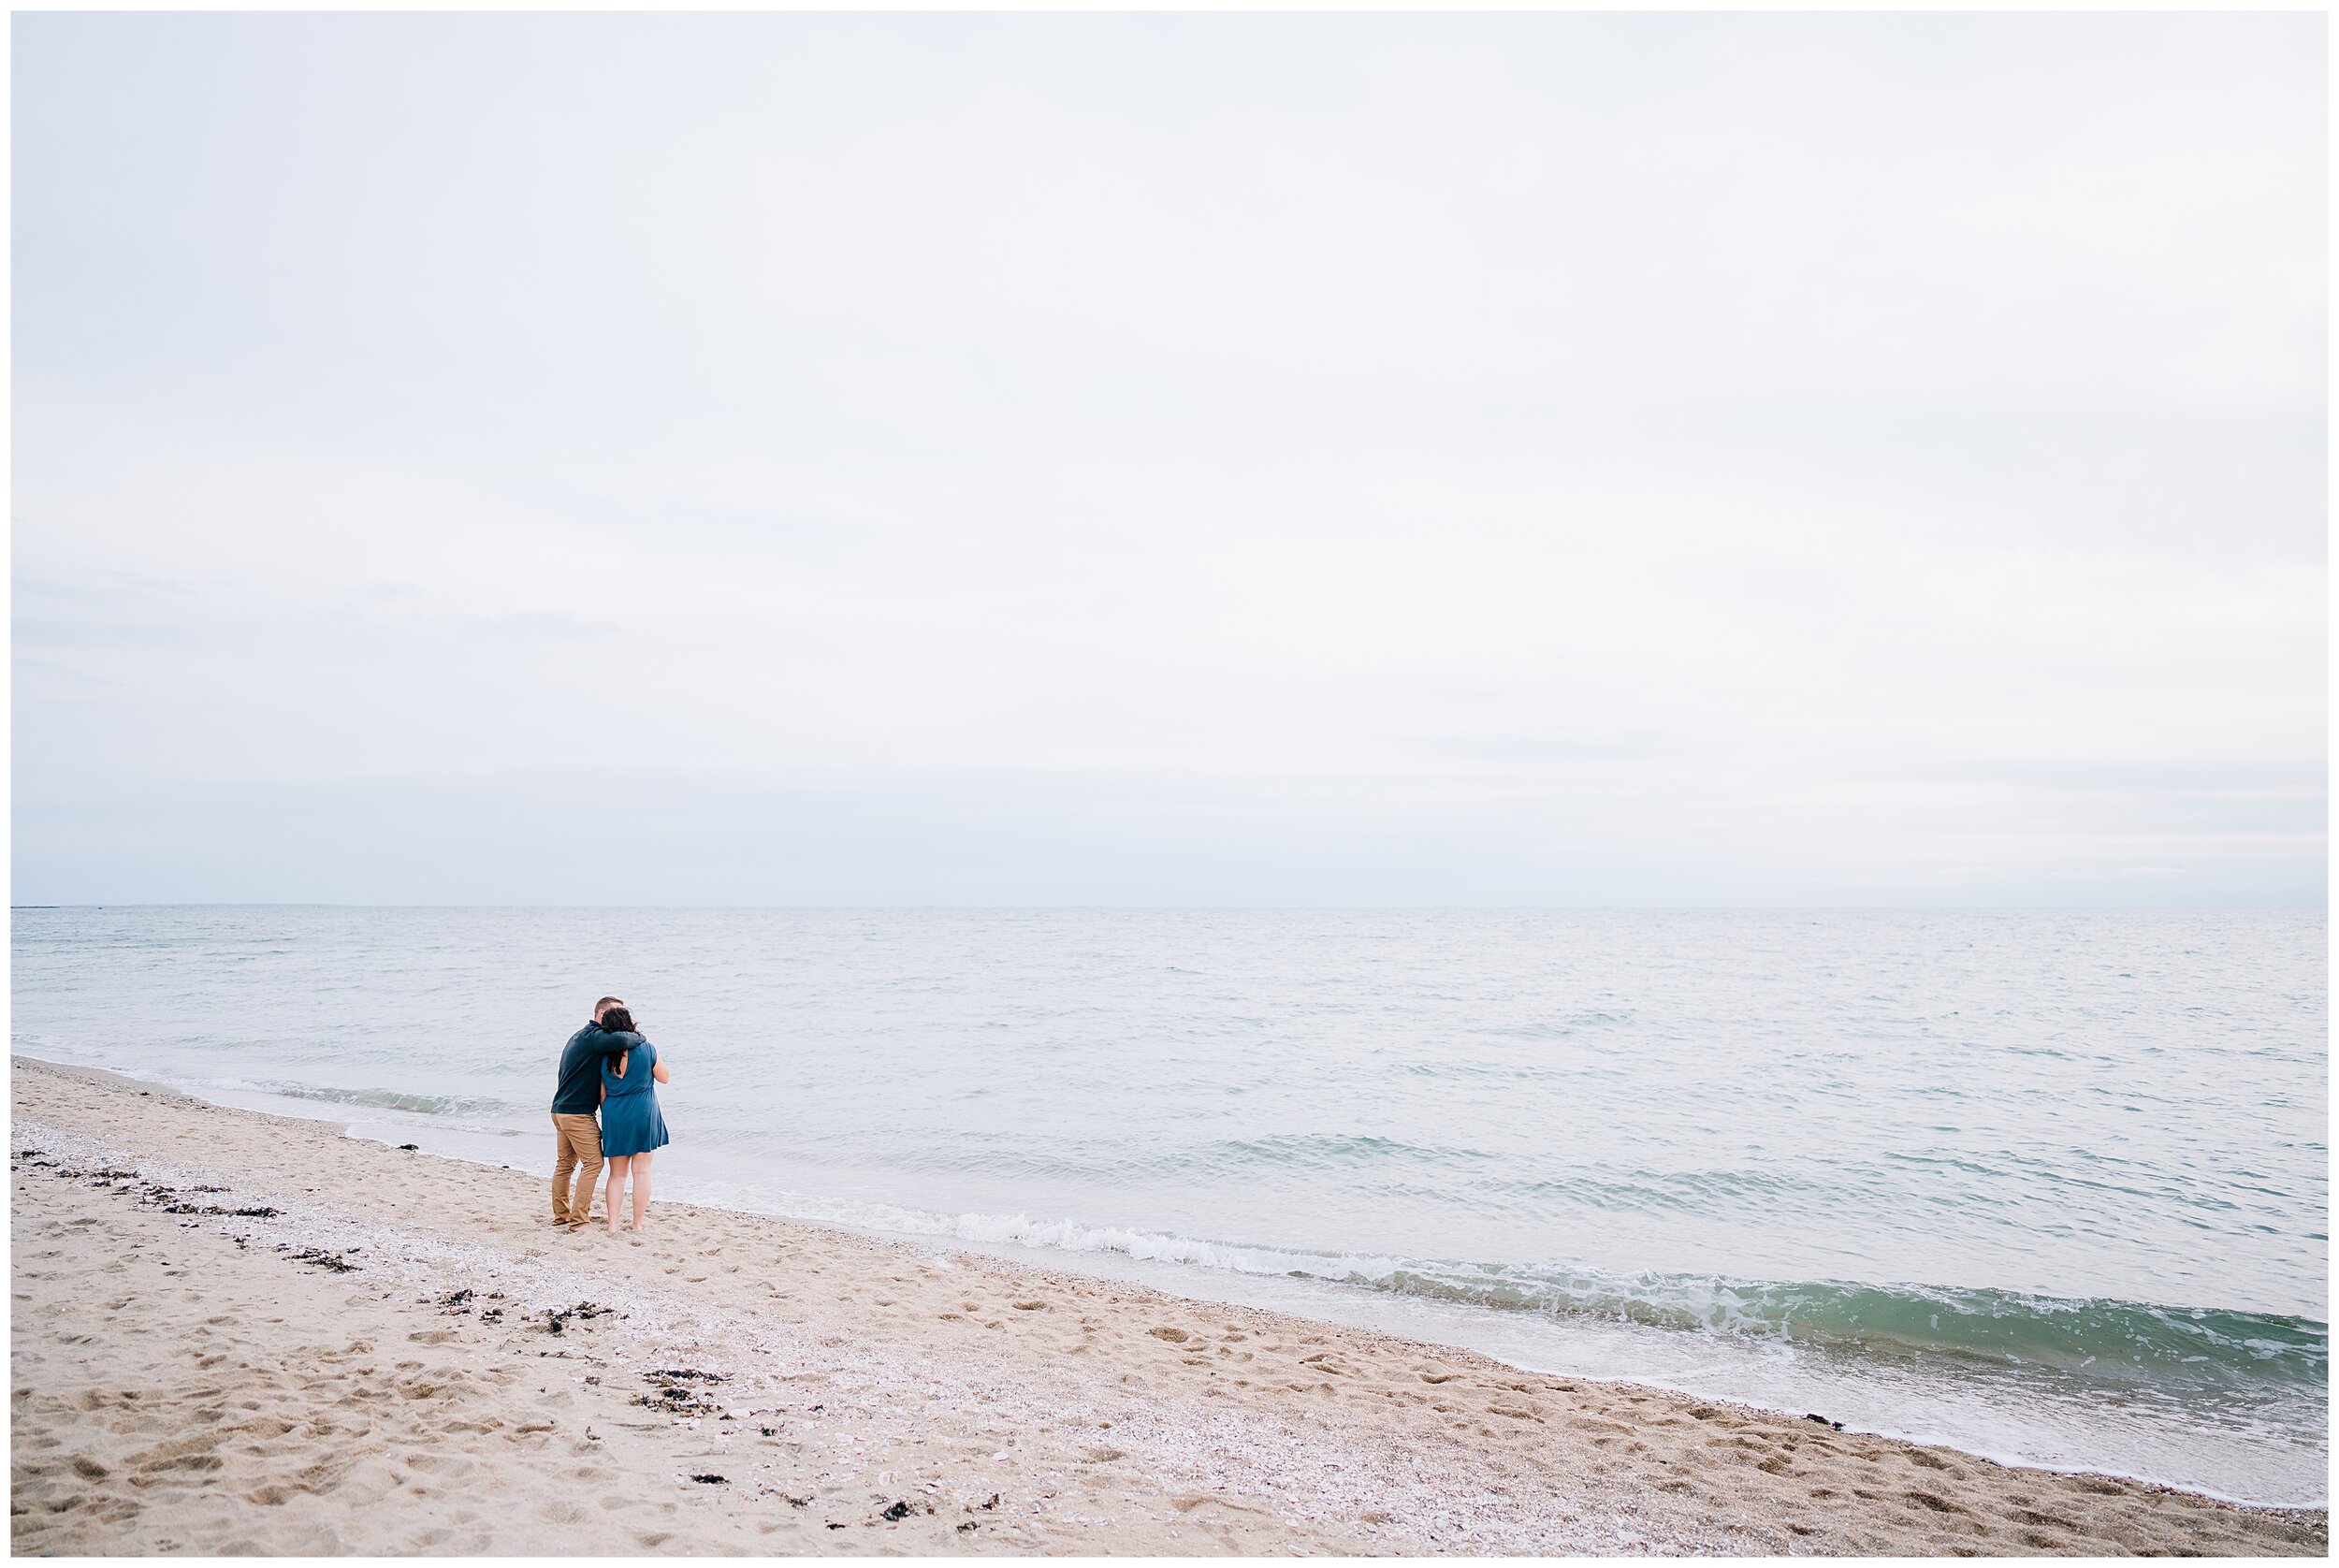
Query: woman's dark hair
point(617, 1020)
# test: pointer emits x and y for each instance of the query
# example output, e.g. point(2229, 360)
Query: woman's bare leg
point(617, 1186)
point(640, 1187)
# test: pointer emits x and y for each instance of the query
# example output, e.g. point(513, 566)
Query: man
point(576, 1136)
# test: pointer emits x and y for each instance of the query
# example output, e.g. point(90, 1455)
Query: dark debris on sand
point(557, 1318)
point(257, 1213)
point(673, 1391)
point(153, 1195)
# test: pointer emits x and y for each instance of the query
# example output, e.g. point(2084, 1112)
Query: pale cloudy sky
point(1567, 459)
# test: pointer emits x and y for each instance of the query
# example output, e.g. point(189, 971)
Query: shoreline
point(1195, 1283)
point(1102, 1416)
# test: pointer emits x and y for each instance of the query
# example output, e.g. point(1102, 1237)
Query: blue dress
point(630, 1121)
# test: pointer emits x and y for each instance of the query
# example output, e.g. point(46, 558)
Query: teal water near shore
point(2050, 1186)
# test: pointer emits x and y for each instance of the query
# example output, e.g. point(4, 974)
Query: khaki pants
point(577, 1148)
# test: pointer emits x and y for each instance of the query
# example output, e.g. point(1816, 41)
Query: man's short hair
point(604, 1005)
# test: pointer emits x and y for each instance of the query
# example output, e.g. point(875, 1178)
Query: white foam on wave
point(1065, 1235)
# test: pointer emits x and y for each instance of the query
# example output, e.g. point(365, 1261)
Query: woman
point(631, 1125)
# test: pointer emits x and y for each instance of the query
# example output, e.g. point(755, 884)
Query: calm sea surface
point(2049, 1186)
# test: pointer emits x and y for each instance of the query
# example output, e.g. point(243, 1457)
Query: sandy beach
point(240, 1333)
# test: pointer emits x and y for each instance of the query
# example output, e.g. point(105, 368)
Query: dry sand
point(392, 1353)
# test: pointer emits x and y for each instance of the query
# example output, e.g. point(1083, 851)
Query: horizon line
point(2320, 908)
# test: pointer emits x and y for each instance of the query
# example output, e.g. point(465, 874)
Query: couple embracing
point(607, 1067)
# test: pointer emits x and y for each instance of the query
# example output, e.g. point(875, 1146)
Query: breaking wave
point(2104, 1339)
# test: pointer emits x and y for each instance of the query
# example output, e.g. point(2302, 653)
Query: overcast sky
point(1569, 459)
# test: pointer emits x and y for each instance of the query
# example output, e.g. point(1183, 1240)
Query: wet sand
point(243, 1333)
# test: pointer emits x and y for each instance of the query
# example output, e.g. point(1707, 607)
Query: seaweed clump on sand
point(558, 1318)
point(155, 1195)
point(259, 1211)
point(673, 1391)
point(460, 1303)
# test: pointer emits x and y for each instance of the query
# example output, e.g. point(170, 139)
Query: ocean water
point(2047, 1186)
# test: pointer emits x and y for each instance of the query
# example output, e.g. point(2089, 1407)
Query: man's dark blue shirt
point(579, 1092)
